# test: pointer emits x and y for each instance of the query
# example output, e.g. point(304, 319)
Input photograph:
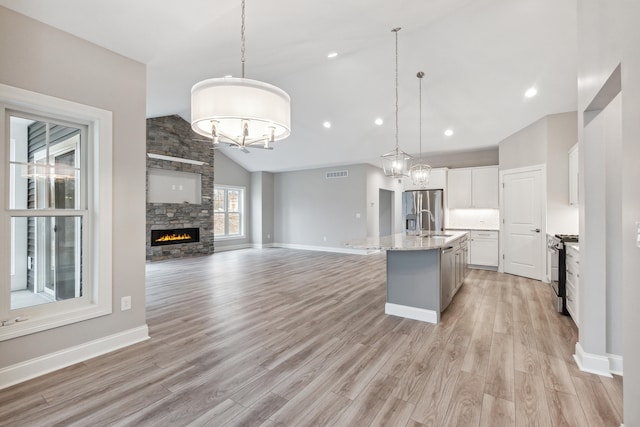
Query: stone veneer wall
point(172, 136)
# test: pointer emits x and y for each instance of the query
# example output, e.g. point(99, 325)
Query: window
point(228, 212)
point(55, 268)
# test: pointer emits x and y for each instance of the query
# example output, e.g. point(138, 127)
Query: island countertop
point(407, 242)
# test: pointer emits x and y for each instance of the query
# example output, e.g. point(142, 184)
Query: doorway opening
point(385, 212)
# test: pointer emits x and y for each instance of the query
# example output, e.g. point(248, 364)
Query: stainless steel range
point(558, 268)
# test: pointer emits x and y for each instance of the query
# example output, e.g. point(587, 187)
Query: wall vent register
point(337, 174)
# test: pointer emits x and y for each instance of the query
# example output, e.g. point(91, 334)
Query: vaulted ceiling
point(479, 57)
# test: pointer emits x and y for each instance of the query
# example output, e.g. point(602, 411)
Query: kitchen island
point(423, 272)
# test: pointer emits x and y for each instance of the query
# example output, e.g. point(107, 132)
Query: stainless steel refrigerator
point(423, 209)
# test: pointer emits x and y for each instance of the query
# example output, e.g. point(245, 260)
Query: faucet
point(420, 220)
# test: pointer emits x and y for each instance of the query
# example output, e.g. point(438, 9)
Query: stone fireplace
point(177, 160)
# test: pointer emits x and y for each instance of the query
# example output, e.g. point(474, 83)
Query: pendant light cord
point(242, 39)
point(420, 76)
point(395, 30)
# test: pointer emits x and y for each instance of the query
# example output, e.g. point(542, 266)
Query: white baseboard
point(345, 250)
point(263, 245)
point(615, 364)
point(29, 369)
point(592, 363)
point(340, 250)
point(414, 313)
point(233, 247)
point(483, 267)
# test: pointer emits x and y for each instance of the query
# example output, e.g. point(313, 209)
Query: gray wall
point(228, 172)
point(463, 159)
point(526, 147)
point(262, 209)
point(562, 134)
point(312, 210)
point(90, 75)
point(547, 141)
point(606, 34)
point(377, 180)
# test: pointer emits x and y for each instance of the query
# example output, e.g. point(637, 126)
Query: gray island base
point(423, 272)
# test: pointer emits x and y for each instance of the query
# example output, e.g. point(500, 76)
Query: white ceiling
point(479, 57)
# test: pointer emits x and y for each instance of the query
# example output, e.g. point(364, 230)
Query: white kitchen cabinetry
point(483, 248)
point(573, 282)
point(473, 188)
point(574, 195)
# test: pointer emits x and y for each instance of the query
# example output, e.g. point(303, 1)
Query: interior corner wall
point(562, 134)
point(268, 208)
point(527, 147)
point(606, 34)
point(315, 211)
point(228, 172)
point(256, 208)
point(172, 136)
point(262, 208)
point(31, 60)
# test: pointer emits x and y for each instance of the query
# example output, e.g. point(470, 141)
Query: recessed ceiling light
point(379, 121)
point(332, 55)
point(448, 132)
point(531, 92)
point(327, 125)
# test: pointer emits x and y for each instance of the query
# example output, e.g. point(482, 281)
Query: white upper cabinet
point(459, 189)
point(437, 181)
point(574, 197)
point(473, 188)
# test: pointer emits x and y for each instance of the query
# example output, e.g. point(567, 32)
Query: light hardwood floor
point(295, 338)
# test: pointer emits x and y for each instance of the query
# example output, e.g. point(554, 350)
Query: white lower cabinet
point(573, 283)
point(483, 248)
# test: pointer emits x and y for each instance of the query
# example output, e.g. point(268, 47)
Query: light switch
point(638, 234)
point(358, 215)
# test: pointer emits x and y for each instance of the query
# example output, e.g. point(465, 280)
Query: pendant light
point(396, 163)
point(420, 171)
point(238, 111)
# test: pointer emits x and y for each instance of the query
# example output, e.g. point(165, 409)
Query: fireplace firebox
point(174, 236)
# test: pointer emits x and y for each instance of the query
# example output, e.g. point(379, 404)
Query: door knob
point(537, 230)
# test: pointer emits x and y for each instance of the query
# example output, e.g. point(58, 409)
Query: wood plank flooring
point(278, 337)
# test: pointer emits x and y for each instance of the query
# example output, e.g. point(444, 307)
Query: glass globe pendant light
point(420, 172)
point(238, 111)
point(395, 163)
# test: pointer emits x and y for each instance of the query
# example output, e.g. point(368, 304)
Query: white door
point(522, 214)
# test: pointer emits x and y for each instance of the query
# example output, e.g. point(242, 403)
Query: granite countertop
point(407, 242)
point(474, 228)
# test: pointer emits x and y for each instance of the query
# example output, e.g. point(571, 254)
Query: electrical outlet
point(358, 215)
point(268, 236)
point(125, 303)
point(324, 238)
point(638, 234)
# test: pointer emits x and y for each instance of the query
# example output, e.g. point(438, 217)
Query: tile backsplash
point(486, 219)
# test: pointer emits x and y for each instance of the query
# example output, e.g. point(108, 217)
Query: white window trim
point(243, 213)
point(98, 257)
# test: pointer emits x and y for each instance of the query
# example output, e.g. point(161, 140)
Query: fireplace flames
point(172, 237)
